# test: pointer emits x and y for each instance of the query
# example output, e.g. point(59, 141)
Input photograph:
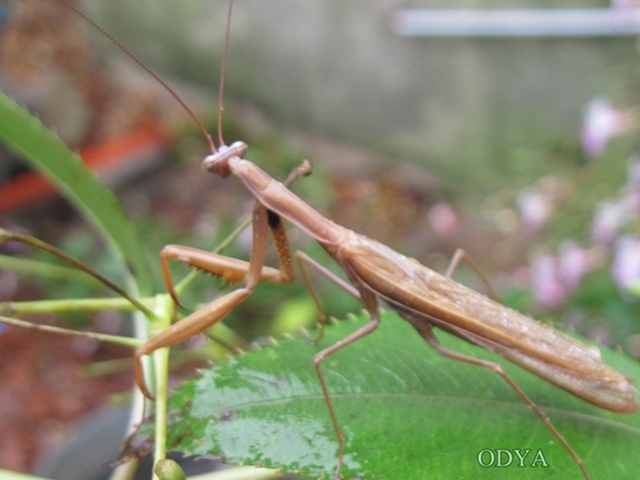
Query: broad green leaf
point(44, 151)
point(406, 412)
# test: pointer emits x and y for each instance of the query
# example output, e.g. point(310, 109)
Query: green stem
point(103, 337)
point(125, 471)
point(43, 269)
point(164, 313)
point(8, 235)
point(240, 473)
point(69, 305)
point(161, 364)
point(9, 475)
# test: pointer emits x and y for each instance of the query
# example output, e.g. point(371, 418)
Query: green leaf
point(44, 151)
point(406, 412)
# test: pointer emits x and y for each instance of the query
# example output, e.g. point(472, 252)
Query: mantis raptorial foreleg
point(231, 269)
point(251, 272)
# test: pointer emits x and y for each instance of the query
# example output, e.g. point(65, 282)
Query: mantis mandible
point(376, 273)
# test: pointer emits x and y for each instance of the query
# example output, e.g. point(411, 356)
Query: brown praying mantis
point(424, 298)
point(377, 274)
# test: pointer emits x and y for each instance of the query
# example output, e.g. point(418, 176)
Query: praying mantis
point(377, 274)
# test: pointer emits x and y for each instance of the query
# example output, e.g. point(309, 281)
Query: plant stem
point(44, 269)
point(164, 313)
point(9, 475)
point(103, 337)
point(69, 305)
point(8, 235)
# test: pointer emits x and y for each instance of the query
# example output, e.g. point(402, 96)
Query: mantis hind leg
point(426, 331)
point(461, 255)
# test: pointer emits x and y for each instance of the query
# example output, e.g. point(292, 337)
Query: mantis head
point(218, 162)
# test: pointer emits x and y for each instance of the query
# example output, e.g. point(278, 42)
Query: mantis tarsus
point(377, 273)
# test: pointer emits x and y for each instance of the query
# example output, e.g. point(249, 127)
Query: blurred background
point(509, 132)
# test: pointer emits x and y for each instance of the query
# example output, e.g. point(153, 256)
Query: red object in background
point(111, 160)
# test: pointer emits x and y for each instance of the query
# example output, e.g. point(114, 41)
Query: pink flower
point(609, 218)
point(573, 263)
point(444, 220)
point(623, 6)
point(601, 123)
point(535, 209)
point(547, 289)
point(626, 262)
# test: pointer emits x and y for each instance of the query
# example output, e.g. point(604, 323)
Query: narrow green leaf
point(44, 151)
point(406, 412)
point(44, 269)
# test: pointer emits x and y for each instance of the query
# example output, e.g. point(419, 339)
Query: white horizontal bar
point(516, 23)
